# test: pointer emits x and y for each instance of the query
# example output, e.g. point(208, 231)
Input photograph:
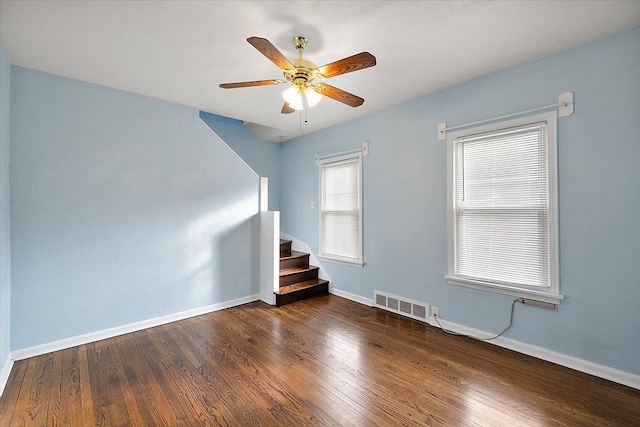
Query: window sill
point(345, 261)
point(505, 289)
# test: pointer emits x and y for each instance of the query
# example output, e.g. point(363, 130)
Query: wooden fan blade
point(250, 84)
point(347, 65)
point(339, 95)
point(286, 108)
point(270, 51)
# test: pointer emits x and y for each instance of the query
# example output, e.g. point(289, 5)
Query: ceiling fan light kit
point(293, 96)
point(301, 73)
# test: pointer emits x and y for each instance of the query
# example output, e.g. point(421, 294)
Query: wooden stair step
point(301, 290)
point(293, 254)
point(300, 285)
point(291, 275)
point(294, 259)
point(299, 269)
point(298, 280)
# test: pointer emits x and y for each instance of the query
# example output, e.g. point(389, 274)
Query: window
point(341, 209)
point(502, 220)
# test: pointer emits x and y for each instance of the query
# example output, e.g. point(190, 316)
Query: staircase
point(298, 279)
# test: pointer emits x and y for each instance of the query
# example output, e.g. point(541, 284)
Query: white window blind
point(501, 206)
point(341, 209)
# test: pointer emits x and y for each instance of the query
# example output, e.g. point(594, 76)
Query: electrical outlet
point(313, 205)
point(435, 312)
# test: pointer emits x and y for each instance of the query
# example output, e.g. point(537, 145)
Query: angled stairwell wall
point(262, 156)
point(124, 208)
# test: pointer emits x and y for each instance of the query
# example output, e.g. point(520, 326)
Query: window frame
point(359, 260)
point(551, 293)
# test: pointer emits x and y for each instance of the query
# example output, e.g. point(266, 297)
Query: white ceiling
point(181, 50)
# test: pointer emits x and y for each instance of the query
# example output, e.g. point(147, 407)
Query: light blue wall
point(262, 156)
point(124, 208)
point(5, 249)
point(405, 200)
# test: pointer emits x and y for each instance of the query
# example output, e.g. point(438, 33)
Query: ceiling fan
point(301, 74)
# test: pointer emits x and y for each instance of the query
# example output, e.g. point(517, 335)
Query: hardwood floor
point(324, 361)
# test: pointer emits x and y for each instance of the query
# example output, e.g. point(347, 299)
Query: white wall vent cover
point(402, 306)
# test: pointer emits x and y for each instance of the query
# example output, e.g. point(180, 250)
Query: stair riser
point(294, 262)
point(285, 247)
point(298, 277)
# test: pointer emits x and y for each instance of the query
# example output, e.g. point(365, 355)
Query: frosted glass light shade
point(313, 97)
point(293, 96)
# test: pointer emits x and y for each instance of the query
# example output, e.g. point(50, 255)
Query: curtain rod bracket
point(564, 106)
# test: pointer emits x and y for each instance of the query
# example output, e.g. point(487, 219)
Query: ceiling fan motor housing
point(303, 72)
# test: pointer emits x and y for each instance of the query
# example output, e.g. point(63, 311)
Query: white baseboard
point(581, 365)
point(591, 368)
point(352, 297)
point(611, 374)
point(4, 374)
point(125, 329)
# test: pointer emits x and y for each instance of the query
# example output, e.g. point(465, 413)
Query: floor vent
point(403, 306)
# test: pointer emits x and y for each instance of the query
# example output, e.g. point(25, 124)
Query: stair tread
point(293, 270)
point(301, 285)
point(284, 241)
point(293, 254)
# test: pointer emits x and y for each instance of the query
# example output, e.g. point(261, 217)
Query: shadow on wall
point(215, 242)
point(237, 244)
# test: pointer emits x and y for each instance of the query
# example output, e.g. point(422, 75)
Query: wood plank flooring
point(325, 361)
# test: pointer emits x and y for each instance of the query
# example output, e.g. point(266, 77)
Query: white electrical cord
point(513, 304)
